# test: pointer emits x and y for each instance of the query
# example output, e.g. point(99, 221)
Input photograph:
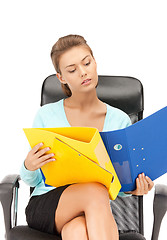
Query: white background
point(127, 37)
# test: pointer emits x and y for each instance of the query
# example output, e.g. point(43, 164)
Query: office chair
point(125, 93)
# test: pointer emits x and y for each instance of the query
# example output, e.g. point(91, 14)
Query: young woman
point(75, 211)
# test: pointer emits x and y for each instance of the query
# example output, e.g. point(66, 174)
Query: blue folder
point(141, 147)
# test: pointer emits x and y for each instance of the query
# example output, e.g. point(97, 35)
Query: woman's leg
point(91, 200)
point(75, 229)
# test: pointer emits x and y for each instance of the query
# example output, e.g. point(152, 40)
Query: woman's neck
point(82, 101)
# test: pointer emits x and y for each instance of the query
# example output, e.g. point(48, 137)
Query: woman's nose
point(82, 71)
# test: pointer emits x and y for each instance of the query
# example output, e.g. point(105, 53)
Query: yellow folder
point(80, 157)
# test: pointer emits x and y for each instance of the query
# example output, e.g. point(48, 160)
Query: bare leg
point(91, 200)
point(75, 229)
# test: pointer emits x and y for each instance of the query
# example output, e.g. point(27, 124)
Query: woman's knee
point(97, 194)
point(97, 189)
point(78, 199)
point(75, 229)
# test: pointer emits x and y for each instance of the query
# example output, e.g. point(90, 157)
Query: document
point(141, 147)
point(113, 158)
point(80, 157)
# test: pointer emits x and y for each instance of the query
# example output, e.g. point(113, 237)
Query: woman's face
point(78, 69)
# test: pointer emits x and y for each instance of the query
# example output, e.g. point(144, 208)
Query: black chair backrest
point(125, 93)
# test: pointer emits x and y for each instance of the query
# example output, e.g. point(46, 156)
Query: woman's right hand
point(37, 157)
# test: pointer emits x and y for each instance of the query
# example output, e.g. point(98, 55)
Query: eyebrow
point(74, 64)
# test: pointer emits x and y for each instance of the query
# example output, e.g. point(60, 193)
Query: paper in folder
point(80, 157)
point(141, 147)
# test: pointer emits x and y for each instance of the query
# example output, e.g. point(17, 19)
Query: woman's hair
point(61, 46)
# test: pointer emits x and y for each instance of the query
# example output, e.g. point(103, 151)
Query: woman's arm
point(35, 159)
point(32, 178)
point(29, 174)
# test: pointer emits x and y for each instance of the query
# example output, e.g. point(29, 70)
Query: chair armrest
point(159, 208)
point(8, 190)
point(12, 179)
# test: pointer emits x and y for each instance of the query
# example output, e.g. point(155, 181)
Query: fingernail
point(41, 144)
point(52, 154)
point(143, 174)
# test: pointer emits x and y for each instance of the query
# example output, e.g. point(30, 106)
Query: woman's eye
point(72, 71)
point(87, 63)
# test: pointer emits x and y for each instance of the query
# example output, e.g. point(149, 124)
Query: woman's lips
point(86, 81)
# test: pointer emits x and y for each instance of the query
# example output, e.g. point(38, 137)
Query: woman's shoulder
point(117, 117)
point(116, 111)
point(50, 107)
point(48, 113)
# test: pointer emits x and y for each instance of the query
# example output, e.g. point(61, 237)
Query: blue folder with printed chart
point(141, 147)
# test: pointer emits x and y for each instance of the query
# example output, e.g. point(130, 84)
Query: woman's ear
point(58, 75)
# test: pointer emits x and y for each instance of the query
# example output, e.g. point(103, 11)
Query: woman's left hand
point(143, 185)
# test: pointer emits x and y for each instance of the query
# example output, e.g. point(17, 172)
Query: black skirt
point(40, 211)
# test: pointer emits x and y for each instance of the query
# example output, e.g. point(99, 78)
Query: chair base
point(27, 233)
point(17, 233)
